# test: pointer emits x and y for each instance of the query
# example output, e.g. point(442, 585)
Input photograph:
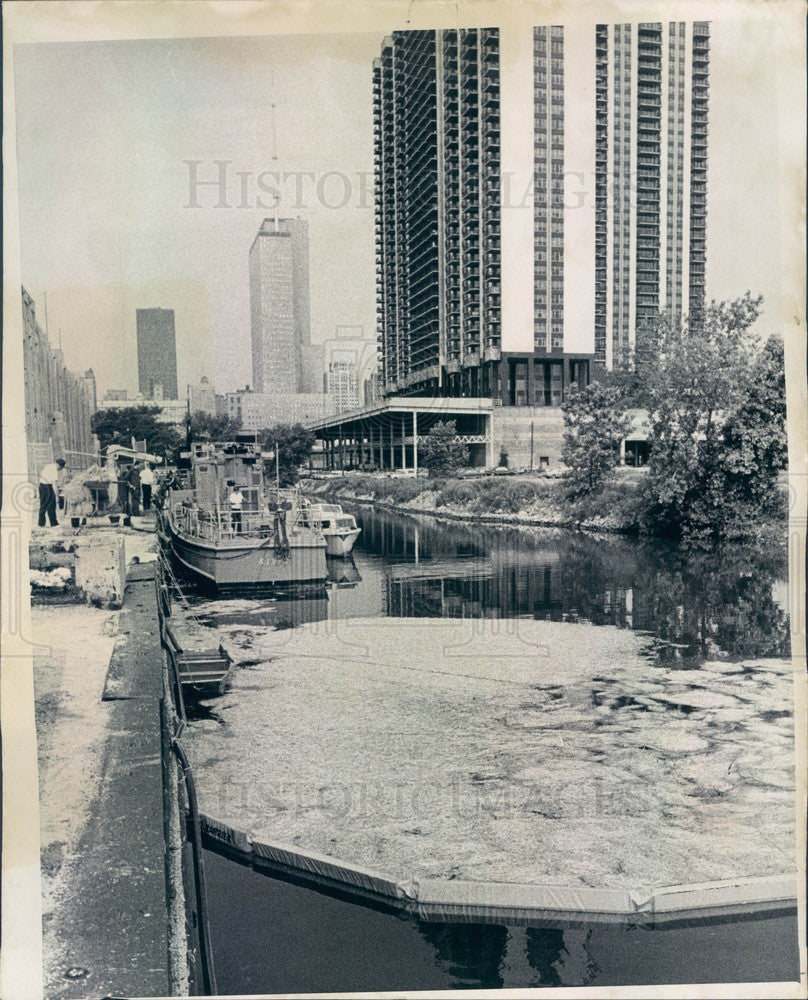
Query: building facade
point(257, 411)
point(465, 284)
point(651, 108)
point(436, 135)
point(168, 411)
point(90, 390)
point(349, 361)
point(548, 189)
point(202, 397)
point(156, 353)
point(463, 278)
point(283, 357)
point(58, 412)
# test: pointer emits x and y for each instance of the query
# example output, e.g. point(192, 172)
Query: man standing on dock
point(133, 489)
point(146, 485)
point(48, 481)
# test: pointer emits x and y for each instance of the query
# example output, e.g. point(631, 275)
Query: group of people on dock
point(135, 488)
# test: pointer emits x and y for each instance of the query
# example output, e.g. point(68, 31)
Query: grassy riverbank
point(509, 499)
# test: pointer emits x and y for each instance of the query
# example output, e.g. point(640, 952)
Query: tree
point(595, 422)
point(438, 451)
point(716, 405)
point(217, 427)
point(755, 434)
point(294, 444)
point(120, 425)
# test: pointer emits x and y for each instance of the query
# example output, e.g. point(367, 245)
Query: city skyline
point(162, 251)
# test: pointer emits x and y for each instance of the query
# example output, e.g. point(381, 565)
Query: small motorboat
point(339, 529)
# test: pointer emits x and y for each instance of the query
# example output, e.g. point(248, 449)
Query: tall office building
point(651, 103)
point(437, 140)
point(156, 353)
point(279, 309)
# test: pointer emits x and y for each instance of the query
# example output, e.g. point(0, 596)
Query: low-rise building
point(169, 411)
point(258, 410)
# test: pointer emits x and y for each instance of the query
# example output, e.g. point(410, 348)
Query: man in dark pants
point(48, 480)
point(133, 489)
point(146, 485)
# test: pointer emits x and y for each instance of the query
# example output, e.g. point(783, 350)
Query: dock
point(108, 931)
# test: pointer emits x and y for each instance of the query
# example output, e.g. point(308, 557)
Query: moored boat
point(339, 529)
point(232, 530)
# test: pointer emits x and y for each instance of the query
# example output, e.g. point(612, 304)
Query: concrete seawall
point(90, 567)
point(108, 930)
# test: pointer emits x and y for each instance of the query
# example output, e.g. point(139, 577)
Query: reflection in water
point(472, 953)
point(693, 603)
point(342, 571)
point(489, 956)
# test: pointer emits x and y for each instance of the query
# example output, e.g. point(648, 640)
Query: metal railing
point(222, 525)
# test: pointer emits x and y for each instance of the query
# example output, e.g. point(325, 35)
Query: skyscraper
point(156, 353)
point(436, 119)
point(650, 178)
point(279, 308)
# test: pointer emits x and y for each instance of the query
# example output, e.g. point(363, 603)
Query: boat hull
point(342, 543)
point(253, 562)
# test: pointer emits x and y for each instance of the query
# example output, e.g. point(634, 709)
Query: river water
point(687, 607)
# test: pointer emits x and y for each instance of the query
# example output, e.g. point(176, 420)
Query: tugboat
point(339, 529)
point(232, 530)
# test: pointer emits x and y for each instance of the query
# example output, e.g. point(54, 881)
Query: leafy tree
point(594, 424)
point(120, 425)
point(439, 453)
point(755, 433)
point(218, 428)
point(294, 444)
point(716, 405)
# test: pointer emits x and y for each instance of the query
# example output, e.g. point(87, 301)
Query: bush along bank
point(525, 500)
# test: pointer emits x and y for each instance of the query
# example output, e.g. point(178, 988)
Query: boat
point(202, 671)
point(270, 541)
point(339, 529)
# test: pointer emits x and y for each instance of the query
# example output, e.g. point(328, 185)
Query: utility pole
point(531, 445)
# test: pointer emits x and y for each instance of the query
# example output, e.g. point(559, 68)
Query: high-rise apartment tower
point(651, 104)
point(436, 114)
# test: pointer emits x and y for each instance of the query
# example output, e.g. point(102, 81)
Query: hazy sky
point(104, 130)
